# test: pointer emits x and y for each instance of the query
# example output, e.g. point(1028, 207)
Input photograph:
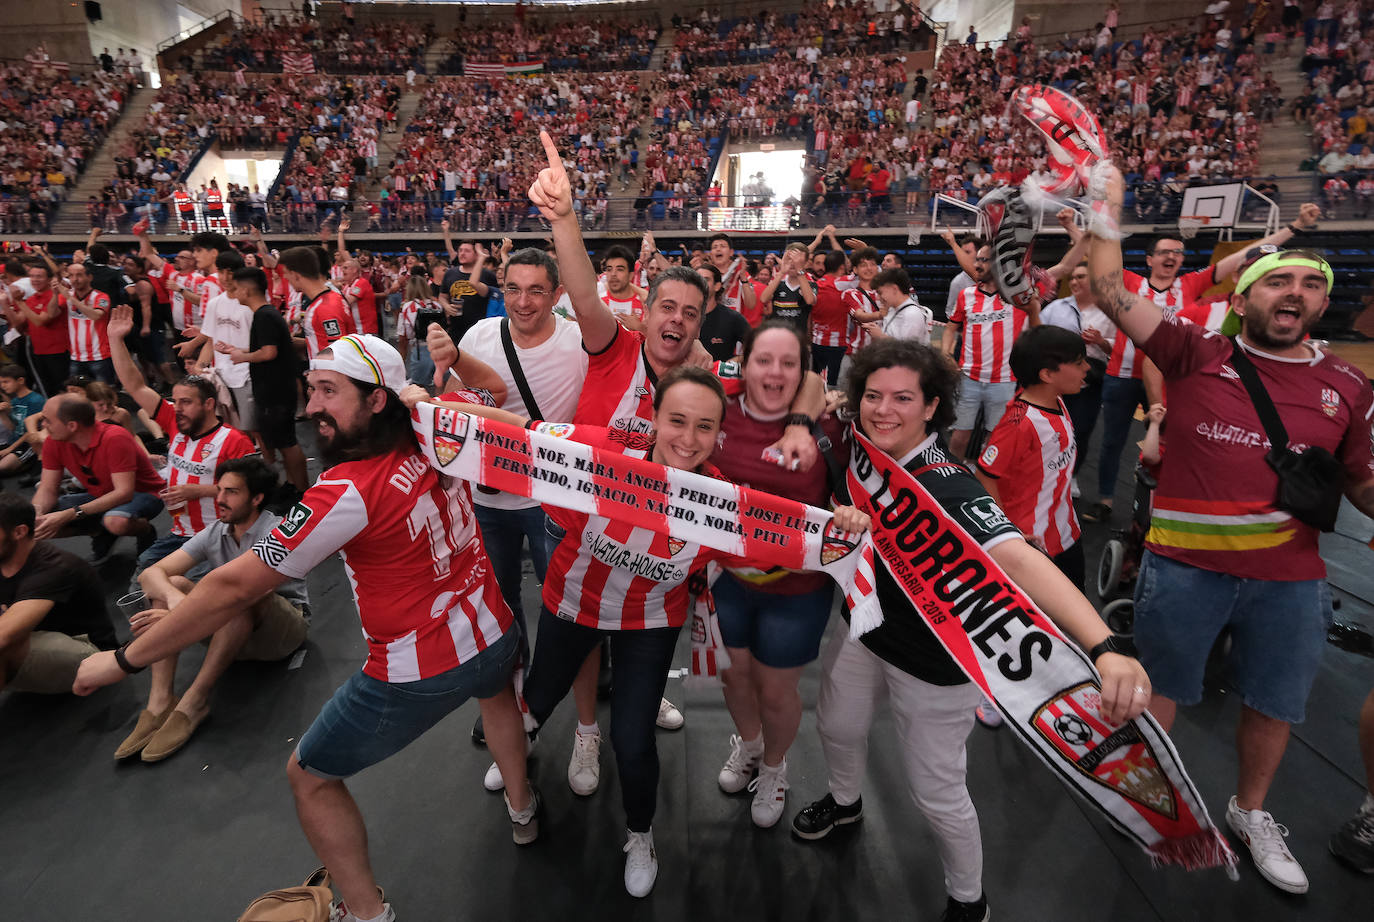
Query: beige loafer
point(171, 736)
point(148, 724)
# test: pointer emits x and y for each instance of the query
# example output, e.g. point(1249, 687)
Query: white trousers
point(933, 722)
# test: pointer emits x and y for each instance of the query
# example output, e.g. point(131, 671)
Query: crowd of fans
point(345, 47)
point(1337, 105)
point(52, 119)
point(817, 31)
point(576, 45)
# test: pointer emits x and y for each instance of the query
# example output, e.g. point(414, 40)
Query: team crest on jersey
point(331, 328)
point(985, 512)
point(675, 545)
point(728, 370)
point(295, 517)
point(1331, 401)
point(450, 432)
point(836, 543)
point(1118, 758)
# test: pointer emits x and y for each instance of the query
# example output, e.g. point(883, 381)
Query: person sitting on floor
point(52, 608)
point(269, 630)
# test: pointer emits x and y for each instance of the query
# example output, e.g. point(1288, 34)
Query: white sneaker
point(492, 780)
point(770, 795)
point(988, 715)
point(641, 863)
point(584, 768)
point(669, 717)
point(739, 768)
point(1275, 863)
point(339, 913)
point(524, 824)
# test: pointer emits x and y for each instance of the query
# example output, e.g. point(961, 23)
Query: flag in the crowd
point(482, 69)
point(298, 62)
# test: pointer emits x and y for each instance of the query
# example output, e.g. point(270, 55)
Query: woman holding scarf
point(771, 621)
point(607, 578)
point(904, 394)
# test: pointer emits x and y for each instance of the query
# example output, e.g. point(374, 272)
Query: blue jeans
point(142, 506)
point(639, 673)
point(369, 720)
point(419, 365)
point(1278, 633)
point(1120, 397)
point(504, 532)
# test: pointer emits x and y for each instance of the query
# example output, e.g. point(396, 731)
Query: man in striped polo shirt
point(196, 449)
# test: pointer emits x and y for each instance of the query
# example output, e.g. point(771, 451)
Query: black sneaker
point(956, 911)
point(102, 545)
point(479, 736)
point(816, 820)
point(1353, 843)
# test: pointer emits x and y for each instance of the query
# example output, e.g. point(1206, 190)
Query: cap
point(364, 358)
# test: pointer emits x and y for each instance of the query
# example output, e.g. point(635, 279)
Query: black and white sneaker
point(815, 821)
point(1353, 843)
point(976, 911)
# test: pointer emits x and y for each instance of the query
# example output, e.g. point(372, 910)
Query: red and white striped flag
point(297, 62)
point(480, 69)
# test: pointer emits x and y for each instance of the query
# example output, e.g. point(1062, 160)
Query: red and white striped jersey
point(193, 461)
point(364, 308)
point(613, 576)
point(990, 326)
point(1031, 454)
point(425, 592)
point(207, 286)
point(1206, 314)
point(633, 307)
point(1186, 289)
point(88, 340)
point(326, 318)
point(829, 315)
point(1140, 92)
point(866, 301)
point(181, 311)
point(619, 388)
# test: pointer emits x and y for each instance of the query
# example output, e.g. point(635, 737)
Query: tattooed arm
point(1136, 316)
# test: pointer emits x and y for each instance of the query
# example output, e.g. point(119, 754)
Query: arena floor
point(200, 835)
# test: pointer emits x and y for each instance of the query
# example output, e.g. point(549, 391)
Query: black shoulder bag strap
point(513, 359)
point(1264, 405)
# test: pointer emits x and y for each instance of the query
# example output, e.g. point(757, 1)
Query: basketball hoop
point(913, 234)
point(1189, 225)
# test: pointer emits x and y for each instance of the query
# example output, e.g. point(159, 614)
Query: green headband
point(1270, 262)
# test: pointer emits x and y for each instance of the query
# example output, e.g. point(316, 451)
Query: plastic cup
point(134, 603)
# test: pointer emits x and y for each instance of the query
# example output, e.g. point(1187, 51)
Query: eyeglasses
point(1173, 252)
point(511, 292)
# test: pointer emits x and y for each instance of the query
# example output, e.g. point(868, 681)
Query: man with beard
point(1221, 551)
point(269, 630)
point(200, 443)
point(437, 629)
point(52, 608)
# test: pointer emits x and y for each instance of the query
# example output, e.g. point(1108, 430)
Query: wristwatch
point(123, 661)
point(80, 513)
point(800, 419)
point(1123, 644)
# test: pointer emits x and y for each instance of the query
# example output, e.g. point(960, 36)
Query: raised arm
point(1308, 215)
point(145, 249)
point(1134, 315)
point(1077, 249)
point(342, 248)
point(552, 195)
point(478, 267)
point(966, 262)
point(448, 241)
point(130, 378)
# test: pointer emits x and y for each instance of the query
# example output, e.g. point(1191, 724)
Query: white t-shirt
point(554, 370)
point(908, 320)
point(227, 321)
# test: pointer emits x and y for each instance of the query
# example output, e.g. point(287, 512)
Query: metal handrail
point(192, 31)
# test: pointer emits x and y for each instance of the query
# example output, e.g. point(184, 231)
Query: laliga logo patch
point(1118, 758)
point(836, 544)
point(1331, 401)
point(450, 432)
point(557, 430)
point(990, 456)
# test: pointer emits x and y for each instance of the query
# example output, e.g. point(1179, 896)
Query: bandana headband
point(1271, 261)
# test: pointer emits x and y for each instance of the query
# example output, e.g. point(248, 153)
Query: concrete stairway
point(71, 216)
point(1287, 144)
point(667, 37)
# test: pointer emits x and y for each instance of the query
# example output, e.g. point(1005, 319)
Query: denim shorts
point(142, 506)
point(1278, 633)
point(991, 398)
point(781, 631)
point(369, 720)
